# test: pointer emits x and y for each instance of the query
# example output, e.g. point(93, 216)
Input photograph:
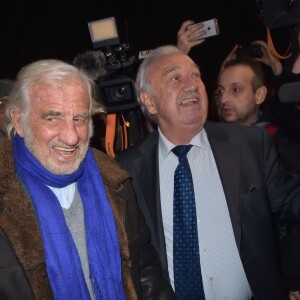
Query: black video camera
point(117, 90)
point(118, 94)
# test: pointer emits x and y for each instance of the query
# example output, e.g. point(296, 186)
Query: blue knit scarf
point(62, 259)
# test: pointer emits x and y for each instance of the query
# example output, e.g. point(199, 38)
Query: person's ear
point(261, 94)
point(16, 117)
point(148, 102)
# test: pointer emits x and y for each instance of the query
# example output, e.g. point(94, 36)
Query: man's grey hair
point(142, 82)
point(50, 72)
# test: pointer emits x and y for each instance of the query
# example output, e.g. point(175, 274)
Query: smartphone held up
point(253, 50)
point(210, 26)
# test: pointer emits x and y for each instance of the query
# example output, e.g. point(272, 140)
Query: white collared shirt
point(222, 270)
point(65, 195)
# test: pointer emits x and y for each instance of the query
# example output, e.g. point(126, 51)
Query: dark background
point(58, 29)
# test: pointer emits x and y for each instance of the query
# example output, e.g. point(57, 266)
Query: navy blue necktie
point(186, 258)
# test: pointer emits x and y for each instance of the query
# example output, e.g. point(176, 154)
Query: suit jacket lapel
point(146, 166)
point(227, 159)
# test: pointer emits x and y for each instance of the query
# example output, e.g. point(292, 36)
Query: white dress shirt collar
point(165, 146)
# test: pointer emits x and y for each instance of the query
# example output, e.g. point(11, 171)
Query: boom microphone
point(289, 92)
point(92, 63)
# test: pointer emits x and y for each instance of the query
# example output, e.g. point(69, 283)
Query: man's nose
point(191, 84)
point(68, 133)
point(222, 97)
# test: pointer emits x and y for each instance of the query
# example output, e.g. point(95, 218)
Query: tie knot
point(181, 150)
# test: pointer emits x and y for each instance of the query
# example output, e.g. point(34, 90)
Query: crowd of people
point(279, 115)
point(78, 224)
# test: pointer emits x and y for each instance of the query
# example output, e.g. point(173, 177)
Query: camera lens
point(118, 94)
point(121, 91)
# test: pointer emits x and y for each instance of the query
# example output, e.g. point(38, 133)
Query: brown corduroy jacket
point(22, 263)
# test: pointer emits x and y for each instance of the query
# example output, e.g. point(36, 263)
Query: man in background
point(241, 92)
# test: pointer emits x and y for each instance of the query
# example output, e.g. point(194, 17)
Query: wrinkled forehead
point(46, 87)
point(71, 90)
point(174, 61)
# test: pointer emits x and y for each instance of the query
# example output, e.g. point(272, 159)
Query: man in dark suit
point(246, 204)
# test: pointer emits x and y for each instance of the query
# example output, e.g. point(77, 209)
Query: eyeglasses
point(3, 101)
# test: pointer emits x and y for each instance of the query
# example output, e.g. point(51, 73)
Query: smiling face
point(56, 128)
point(177, 98)
point(236, 100)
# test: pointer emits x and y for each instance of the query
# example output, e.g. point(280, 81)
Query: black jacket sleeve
point(152, 282)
